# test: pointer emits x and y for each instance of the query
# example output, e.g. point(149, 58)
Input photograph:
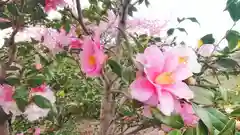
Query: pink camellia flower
point(206, 50)
point(75, 43)
point(187, 114)
point(163, 80)
point(37, 131)
point(92, 57)
point(7, 102)
point(32, 111)
point(53, 4)
point(41, 88)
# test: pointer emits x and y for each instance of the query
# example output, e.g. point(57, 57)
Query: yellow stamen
point(164, 78)
point(183, 60)
point(200, 43)
point(238, 45)
point(92, 60)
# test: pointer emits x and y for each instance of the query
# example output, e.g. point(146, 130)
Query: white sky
point(208, 12)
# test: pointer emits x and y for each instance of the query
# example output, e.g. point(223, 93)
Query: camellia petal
point(182, 73)
point(206, 50)
point(171, 61)
point(166, 105)
point(142, 89)
point(180, 90)
point(154, 57)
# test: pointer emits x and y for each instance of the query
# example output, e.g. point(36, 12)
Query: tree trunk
point(3, 123)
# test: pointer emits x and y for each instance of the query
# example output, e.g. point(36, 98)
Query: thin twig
point(205, 86)
point(215, 47)
point(80, 17)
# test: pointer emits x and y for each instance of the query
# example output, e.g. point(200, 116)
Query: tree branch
point(80, 17)
point(122, 20)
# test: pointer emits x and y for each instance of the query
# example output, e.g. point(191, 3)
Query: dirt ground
point(90, 127)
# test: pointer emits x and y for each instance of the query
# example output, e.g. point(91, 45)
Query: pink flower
point(187, 114)
point(6, 92)
point(206, 50)
point(41, 88)
point(163, 81)
point(53, 4)
point(7, 102)
point(92, 57)
point(37, 131)
point(20, 134)
point(75, 43)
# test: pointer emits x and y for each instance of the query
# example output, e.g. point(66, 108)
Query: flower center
point(183, 60)
point(164, 78)
point(91, 60)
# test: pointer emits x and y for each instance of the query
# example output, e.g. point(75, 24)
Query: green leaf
point(229, 129)
point(222, 117)
point(13, 80)
point(42, 102)
point(175, 121)
point(190, 131)
point(204, 116)
point(36, 80)
point(21, 103)
point(128, 74)
point(170, 31)
point(201, 129)
point(147, 3)
point(202, 96)
point(13, 9)
point(21, 92)
point(182, 30)
point(180, 20)
point(218, 119)
point(227, 63)
point(116, 68)
point(140, 2)
point(21, 97)
point(131, 9)
point(235, 113)
point(175, 132)
point(193, 19)
point(233, 7)
point(208, 39)
point(232, 37)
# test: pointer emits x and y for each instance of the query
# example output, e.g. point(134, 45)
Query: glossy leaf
point(202, 96)
point(204, 116)
point(232, 37)
point(201, 129)
point(42, 102)
point(128, 74)
point(229, 129)
point(218, 119)
point(116, 68)
point(193, 19)
point(227, 63)
point(235, 113)
point(37, 80)
point(13, 9)
point(190, 131)
point(175, 132)
point(13, 80)
point(233, 7)
point(170, 31)
point(174, 121)
point(182, 30)
point(208, 39)
point(21, 97)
